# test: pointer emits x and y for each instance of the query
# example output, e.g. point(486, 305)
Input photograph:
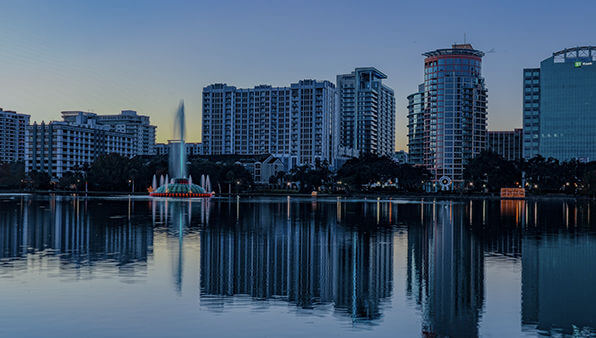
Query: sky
point(106, 56)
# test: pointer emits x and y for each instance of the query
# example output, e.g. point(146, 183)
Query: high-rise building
point(416, 127)
point(296, 124)
point(128, 121)
point(12, 135)
point(508, 143)
point(366, 113)
point(455, 116)
point(563, 106)
point(531, 112)
point(59, 146)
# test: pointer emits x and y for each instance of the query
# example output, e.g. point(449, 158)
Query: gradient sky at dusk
point(106, 56)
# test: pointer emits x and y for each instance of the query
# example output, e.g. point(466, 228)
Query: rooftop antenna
point(464, 38)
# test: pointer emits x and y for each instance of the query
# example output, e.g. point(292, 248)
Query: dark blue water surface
point(291, 267)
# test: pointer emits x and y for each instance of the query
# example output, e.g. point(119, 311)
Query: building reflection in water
point(445, 274)
point(558, 270)
point(76, 231)
point(333, 255)
point(300, 253)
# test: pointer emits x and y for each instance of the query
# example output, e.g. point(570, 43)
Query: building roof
point(456, 49)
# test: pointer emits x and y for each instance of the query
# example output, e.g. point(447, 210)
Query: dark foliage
point(369, 169)
point(12, 175)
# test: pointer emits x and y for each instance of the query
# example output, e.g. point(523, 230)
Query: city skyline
point(107, 57)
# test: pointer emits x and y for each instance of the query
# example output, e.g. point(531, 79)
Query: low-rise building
point(508, 144)
point(192, 149)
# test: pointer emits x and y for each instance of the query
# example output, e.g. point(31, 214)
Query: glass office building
point(566, 110)
point(531, 109)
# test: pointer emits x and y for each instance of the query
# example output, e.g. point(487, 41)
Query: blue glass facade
point(531, 109)
point(568, 105)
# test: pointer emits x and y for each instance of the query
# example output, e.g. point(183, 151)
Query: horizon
point(106, 57)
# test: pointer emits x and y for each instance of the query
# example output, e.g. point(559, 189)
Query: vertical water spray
point(177, 182)
point(177, 146)
point(154, 183)
point(208, 184)
point(203, 181)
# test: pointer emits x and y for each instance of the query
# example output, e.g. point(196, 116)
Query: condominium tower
point(453, 114)
point(296, 124)
point(366, 113)
point(128, 121)
point(62, 146)
point(12, 135)
point(560, 106)
point(416, 127)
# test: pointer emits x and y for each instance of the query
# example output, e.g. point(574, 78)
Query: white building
point(12, 135)
point(128, 121)
point(59, 147)
point(192, 149)
point(162, 149)
point(366, 113)
point(296, 124)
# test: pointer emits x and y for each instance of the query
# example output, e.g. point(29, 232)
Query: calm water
point(271, 267)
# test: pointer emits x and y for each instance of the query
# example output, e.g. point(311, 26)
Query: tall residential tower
point(453, 114)
point(13, 126)
point(296, 124)
point(366, 113)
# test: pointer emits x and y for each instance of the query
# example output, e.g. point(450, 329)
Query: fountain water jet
point(179, 185)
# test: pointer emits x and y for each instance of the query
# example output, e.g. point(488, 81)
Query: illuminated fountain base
point(180, 188)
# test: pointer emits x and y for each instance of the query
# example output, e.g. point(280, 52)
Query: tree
point(311, 178)
point(72, 181)
point(221, 173)
point(279, 178)
point(109, 173)
point(490, 171)
point(369, 168)
point(39, 180)
point(12, 174)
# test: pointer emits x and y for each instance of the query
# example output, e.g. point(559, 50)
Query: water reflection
point(322, 257)
point(446, 272)
point(558, 279)
point(78, 235)
point(303, 257)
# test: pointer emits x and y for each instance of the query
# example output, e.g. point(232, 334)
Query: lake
point(296, 267)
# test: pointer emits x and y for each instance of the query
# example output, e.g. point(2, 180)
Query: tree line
point(487, 172)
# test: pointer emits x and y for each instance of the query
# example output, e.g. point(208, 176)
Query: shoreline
point(382, 195)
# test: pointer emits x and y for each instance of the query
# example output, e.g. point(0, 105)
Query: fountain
point(180, 185)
